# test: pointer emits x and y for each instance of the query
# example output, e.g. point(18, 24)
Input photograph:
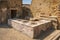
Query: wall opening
point(13, 13)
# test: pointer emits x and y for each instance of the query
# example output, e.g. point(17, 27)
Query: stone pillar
point(4, 16)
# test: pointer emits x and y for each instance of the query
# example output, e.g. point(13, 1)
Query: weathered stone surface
point(16, 5)
point(54, 35)
point(30, 28)
point(6, 7)
point(45, 8)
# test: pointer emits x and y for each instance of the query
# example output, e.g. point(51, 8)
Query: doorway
point(13, 13)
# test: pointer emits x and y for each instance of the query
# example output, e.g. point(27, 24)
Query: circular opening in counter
point(33, 23)
point(35, 20)
point(25, 21)
point(19, 19)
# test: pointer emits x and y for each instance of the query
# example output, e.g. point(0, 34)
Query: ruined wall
point(3, 12)
point(45, 7)
point(16, 5)
point(5, 9)
point(26, 14)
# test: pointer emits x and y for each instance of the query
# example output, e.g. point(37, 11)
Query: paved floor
point(8, 33)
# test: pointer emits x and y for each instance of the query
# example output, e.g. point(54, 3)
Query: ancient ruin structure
point(10, 9)
point(45, 8)
point(26, 11)
point(39, 9)
point(33, 28)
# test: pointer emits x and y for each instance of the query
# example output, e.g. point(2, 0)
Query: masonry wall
point(5, 9)
point(16, 5)
point(45, 8)
point(3, 12)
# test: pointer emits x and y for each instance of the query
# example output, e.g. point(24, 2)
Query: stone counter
point(30, 28)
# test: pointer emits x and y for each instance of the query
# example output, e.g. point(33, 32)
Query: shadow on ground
point(44, 34)
point(5, 26)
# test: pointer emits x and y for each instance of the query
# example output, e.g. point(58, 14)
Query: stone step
point(53, 35)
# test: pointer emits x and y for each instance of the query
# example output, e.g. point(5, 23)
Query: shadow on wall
point(27, 14)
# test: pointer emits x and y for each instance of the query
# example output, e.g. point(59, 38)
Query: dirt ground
point(9, 33)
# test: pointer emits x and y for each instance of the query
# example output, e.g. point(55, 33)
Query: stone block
point(30, 28)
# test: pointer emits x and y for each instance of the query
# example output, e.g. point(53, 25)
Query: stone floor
point(9, 33)
point(54, 35)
